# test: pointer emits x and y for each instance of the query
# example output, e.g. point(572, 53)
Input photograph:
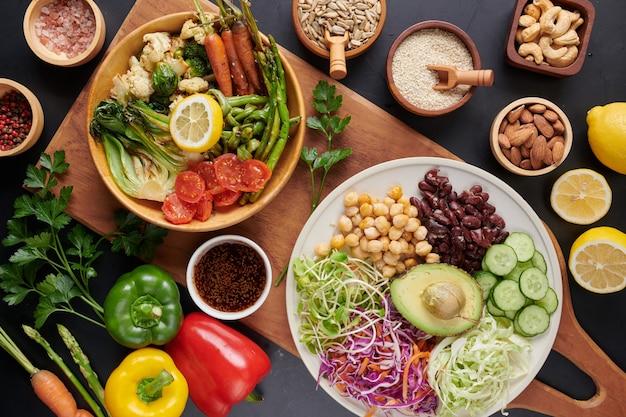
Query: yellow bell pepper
point(146, 384)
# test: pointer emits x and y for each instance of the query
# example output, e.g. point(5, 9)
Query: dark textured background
point(289, 390)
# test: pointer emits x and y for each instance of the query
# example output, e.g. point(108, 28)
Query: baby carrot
point(236, 71)
point(244, 48)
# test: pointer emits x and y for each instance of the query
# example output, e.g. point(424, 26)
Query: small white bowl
point(191, 286)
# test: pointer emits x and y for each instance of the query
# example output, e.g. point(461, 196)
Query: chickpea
point(404, 245)
point(394, 233)
point(382, 224)
point(407, 236)
point(410, 263)
point(358, 253)
point(322, 250)
point(391, 258)
point(366, 209)
point(366, 222)
point(411, 211)
point(404, 201)
point(396, 209)
point(363, 244)
point(380, 264)
point(423, 248)
point(356, 219)
point(351, 240)
point(380, 209)
point(350, 199)
point(358, 232)
point(410, 250)
point(432, 258)
point(388, 201)
point(364, 198)
point(337, 242)
point(371, 233)
point(395, 192)
point(388, 271)
point(352, 211)
point(385, 241)
point(376, 256)
point(374, 246)
point(411, 225)
point(421, 233)
point(400, 268)
point(395, 247)
point(344, 224)
point(400, 220)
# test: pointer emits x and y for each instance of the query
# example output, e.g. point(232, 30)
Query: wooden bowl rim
point(430, 24)
point(568, 136)
point(297, 140)
point(50, 57)
point(587, 10)
point(325, 53)
point(38, 118)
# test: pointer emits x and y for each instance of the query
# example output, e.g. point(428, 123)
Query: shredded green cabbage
point(472, 372)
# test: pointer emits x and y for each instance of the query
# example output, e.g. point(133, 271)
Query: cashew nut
point(544, 5)
point(531, 33)
point(565, 60)
point(563, 23)
point(532, 11)
point(531, 49)
point(526, 20)
point(518, 35)
point(547, 20)
point(576, 23)
point(569, 38)
point(548, 51)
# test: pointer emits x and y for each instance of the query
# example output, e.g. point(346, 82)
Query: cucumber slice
point(500, 259)
point(517, 271)
point(533, 284)
point(517, 329)
point(550, 302)
point(510, 314)
point(522, 244)
point(493, 310)
point(539, 262)
point(483, 265)
point(533, 320)
point(487, 281)
point(504, 322)
point(507, 296)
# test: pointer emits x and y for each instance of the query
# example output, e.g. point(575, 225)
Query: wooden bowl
point(587, 12)
point(36, 128)
point(430, 24)
point(568, 136)
point(116, 62)
point(30, 17)
point(325, 53)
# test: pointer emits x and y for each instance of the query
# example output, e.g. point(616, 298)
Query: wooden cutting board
point(375, 136)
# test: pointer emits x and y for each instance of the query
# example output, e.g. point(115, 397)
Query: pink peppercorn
point(15, 120)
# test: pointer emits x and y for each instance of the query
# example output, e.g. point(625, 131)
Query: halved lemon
point(581, 196)
point(196, 123)
point(597, 260)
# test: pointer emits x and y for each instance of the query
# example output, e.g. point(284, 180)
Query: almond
point(520, 135)
point(537, 108)
point(524, 151)
point(543, 126)
point(503, 140)
point(515, 114)
point(547, 157)
point(516, 156)
point(551, 116)
point(525, 164)
point(559, 128)
point(538, 153)
point(503, 126)
point(554, 140)
point(507, 153)
point(526, 116)
point(511, 127)
point(529, 142)
point(557, 152)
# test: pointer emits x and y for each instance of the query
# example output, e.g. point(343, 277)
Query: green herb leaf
point(35, 178)
point(82, 241)
point(17, 282)
point(24, 206)
point(26, 255)
point(330, 158)
point(315, 123)
point(44, 309)
point(338, 125)
point(40, 241)
point(324, 98)
point(16, 232)
point(56, 164)
point(308, 155)
point(59, 288)
point(135, 237)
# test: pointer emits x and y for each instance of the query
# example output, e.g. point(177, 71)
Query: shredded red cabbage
point(369, 365)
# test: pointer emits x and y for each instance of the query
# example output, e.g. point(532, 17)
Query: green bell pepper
point(143, 308)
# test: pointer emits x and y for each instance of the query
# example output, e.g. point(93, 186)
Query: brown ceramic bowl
point(587, 12)
point(30, 17)
point(568, 136)
point(116, 62)
point(36, 128)
point(430, 24)
point(325, 53)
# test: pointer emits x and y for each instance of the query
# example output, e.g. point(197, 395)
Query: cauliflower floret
point(139, 80)
point(175, 99)
point(193, 30)
point(177, 43)
point(178, 64)
point(193, 85)
point(121, 89)
point(157, 44)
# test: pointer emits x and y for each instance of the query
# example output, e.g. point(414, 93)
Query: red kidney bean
point(471, 221)
point(484, 196)
point(424, 186)
point(471, 210)
point(489, 209)
point(497, 220)
point(473, 200)
point(476, 189)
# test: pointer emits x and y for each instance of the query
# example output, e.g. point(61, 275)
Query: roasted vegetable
point(195, 56)
point(164, 80)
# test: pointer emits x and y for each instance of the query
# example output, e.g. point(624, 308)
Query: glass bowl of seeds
point(21, 118)
point(411, 83)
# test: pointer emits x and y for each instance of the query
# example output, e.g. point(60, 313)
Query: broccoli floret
point(195, 56)
point(193, 49)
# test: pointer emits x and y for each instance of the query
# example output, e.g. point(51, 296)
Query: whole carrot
point(236, 70)
point(245, 48)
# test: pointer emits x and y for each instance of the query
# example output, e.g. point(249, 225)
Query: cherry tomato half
point(177, 211)
point(228, 171)
point(205, 207)
point(227, 198)
point(189, 186)
point(206, 170)
point(254, 175)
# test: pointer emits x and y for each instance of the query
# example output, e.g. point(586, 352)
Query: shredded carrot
point(371, 411)
point(405, 373)
point(340, 386)
point(363, 366)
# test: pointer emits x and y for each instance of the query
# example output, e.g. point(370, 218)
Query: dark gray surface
point(289, 390)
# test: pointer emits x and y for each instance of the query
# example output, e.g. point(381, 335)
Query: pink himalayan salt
point(66, 27)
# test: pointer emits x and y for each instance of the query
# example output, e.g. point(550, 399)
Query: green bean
point(238, 101)
point(253, 144)
point(272, 139)
point(243, 153)
point(221, 99)
point(226, 134)
point(230, 119)
point(260, 114)
point(235, 111)
point(257, 128)
point(245, 113)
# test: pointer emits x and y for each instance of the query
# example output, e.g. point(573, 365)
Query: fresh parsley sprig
point(327, 103)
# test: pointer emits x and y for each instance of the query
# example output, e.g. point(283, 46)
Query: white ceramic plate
point(519, 216)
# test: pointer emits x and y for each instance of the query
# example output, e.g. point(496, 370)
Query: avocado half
point(439, 299)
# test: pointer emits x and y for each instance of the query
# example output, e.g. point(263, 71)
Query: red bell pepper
point(221, 365)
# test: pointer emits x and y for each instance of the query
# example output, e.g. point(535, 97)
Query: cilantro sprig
point(327, 103)
point(54, 260)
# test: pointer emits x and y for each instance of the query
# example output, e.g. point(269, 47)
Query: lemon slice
point(196, 123)
point(581, 196)
point(597, 260)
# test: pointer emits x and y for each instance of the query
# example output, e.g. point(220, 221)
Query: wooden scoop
point(450, 77)
point(337, 47)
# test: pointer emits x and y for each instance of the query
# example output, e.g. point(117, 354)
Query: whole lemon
point(607, 135)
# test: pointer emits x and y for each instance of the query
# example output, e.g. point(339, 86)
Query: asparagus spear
point(37, 337)
point(82, 361)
